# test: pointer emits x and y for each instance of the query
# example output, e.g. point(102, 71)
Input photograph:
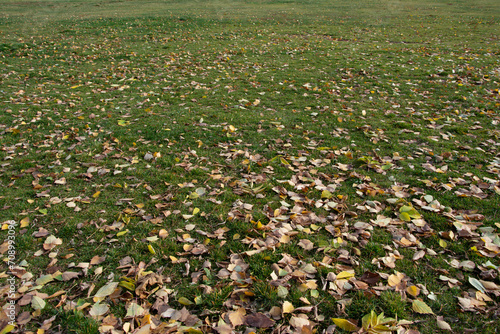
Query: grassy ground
point(215, 166)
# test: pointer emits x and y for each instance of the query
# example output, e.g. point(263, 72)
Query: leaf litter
point(228, 226)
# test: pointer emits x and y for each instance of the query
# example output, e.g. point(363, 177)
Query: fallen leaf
point(259, 320)
point(345, 324)
point(475, 283)
point(421, 307)
point(37, 303)
point(134, 310)
point(287, 307)
point(442, 324)
point(237, 317)
point(413, 290)
point(185, 301)
point(105, 291)
point(98, 310)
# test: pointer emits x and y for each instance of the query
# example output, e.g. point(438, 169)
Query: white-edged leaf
point(98, 309)
point(134, 310)
point(475, 283)
point(37, 303)
point(105, 291)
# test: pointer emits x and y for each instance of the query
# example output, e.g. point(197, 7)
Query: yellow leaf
point(288, 307)
point(404, 216)
point(97, 193)
point(443, 243)
point(284, 162)
point(7, 329)
point(345, 275)
point(25, 222)
point(326, 194)
point(119, 234)
point(127, 285)
point(146, 320)
point(393, 280)
point(345, 324)
point(413, 290)
point(421, 307)
point(195, 211)
point(184, 301)
point(151, 249)
point(277, 212)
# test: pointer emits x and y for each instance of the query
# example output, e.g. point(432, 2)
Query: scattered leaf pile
point(203, 174)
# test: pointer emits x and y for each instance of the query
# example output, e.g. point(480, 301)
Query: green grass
point(255, 105)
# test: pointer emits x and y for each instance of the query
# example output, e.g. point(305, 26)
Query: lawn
point(250, 166)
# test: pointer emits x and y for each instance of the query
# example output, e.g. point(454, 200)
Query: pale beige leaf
point(443, 324)
point(144, 329)
point(418, 255)
point(306, 244)
point(237, 317)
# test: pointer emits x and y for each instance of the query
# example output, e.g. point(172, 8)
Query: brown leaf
point(370, 278)
point(4, 247)
point(259, 320)
point(97, 260)
point(23, 318)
